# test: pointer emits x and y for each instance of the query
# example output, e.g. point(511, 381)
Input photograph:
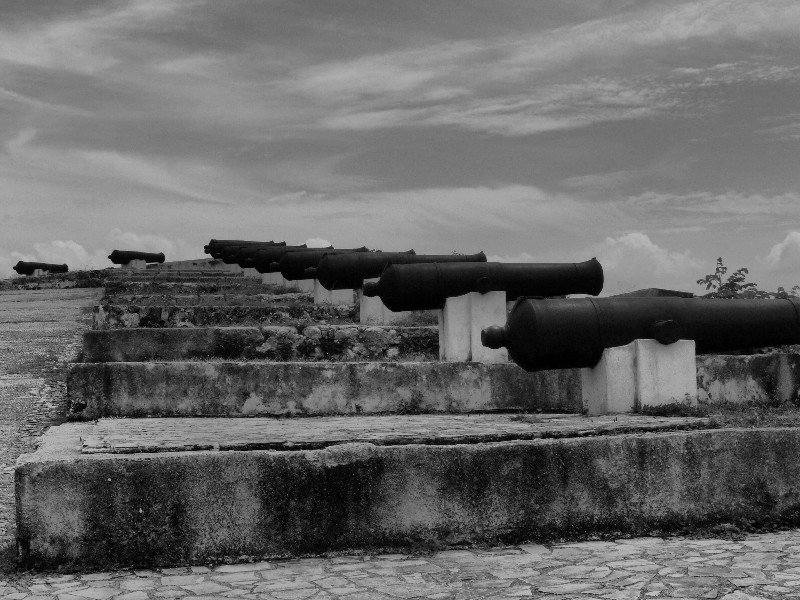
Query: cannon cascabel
point(427, 286)
point(564, 333)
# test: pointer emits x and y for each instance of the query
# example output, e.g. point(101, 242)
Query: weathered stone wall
point(286, 343)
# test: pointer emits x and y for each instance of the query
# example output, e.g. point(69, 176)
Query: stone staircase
point(387, 446)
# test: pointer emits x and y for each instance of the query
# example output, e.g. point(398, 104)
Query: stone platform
point(96, 494)
point(260, 388)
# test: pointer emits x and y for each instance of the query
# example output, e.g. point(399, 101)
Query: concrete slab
point(318, 388)
point(132, 436)
point(167, 508)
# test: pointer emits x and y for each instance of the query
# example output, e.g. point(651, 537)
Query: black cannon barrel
point(573, 332)
point(293, 265)
point(28, 267)
point(216, 247)
point(264, 261)
point(230, 254)
point(428, 286)
point(123, 257)
point(348, 271)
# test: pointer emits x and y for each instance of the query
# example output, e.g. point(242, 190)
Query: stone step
point(314, 342)
point(112, 316)
point(154, 493)
point(257, 299)
point(197, 286)
point(189, 389)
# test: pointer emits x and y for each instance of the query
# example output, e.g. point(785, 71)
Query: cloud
point(785, 255)
point(173, 249)
point(633, 261)
point(317, 243)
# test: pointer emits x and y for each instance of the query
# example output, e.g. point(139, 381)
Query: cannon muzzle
point(348, 271)
point(574, 332)
point(427, 286)
point(293, 265)
point(123, 257)
point(28, 267)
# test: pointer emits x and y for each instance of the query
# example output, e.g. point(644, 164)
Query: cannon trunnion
point(27, 267)
point(123, 257)
point(572, 333)
point(427, 286)
point(348, 271)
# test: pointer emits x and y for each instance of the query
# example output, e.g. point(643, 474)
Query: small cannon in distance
point(27, 267)
point(123, 257)
point(574, 332)
point(348, 271)
point(293, 265)
point(428, 286)
point(265, 259)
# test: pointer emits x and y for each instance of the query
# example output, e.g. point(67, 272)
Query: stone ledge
point(190, 507)
point(315, 342)
point(314, 388)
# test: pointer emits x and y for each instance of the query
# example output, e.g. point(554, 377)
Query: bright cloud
point(786, 254)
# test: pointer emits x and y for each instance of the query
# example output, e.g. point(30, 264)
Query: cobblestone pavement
point(759, 566)
point(40, 332)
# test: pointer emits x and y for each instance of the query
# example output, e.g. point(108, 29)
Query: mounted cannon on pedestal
point(472, 295)
point(134, 259)
point(216, 248)
point(637, 352)
point(30, 268)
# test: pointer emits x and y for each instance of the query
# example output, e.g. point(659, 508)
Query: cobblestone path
point(40, 332)
point(759, 566)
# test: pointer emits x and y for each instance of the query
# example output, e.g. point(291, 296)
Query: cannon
point(348, 271)
point(428, 286)
point(293, 265)
point(230, 254)
point(27, 268)
point(265, 259)
point(216, 247)
point(123, 257)
point(574, 332)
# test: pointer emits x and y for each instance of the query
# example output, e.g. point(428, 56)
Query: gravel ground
point(40, 332)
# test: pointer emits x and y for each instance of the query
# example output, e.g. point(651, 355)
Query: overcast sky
point(656, 135)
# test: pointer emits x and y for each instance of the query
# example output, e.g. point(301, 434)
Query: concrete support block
point(454, 330)
point(460, 325)
point(250, 272)
point(135, 265)
point(323, 296)
point(372, 311)
point(37, 273)
point(486, 310)
point(303, 285)
point(273, 279)
point(641, 374)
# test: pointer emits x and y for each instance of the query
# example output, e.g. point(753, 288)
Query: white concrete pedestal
point(460, 325)
point(643, 373)
point(273, 279)
point(37, 273)
point(323, 296)
point(372, 310)
point(135, 265)
point(304, 285)
point(250, 272)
